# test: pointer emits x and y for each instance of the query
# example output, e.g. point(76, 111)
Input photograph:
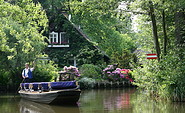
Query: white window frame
point(53, 37)
point(54, 40)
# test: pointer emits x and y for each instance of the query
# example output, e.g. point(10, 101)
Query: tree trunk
point(164, 31)
point(180, 28)
point(180, 32)
point(154, 27)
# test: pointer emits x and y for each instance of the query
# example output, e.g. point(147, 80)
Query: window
point(53, 38)
point(56, 40)
point(63, 38)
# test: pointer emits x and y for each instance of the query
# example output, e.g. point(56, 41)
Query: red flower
point(125, 71)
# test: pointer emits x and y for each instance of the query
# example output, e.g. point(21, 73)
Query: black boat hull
point(52, 97)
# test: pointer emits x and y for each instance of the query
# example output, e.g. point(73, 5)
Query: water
point(95, 101)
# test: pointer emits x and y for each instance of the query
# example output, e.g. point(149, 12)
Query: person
point(27, 73)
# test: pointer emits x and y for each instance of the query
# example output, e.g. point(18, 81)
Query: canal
point(127, 100)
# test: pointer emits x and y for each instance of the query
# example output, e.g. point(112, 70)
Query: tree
point(104, 25)
point(166, 77)
point(154, 26)
point(21, 40)
point(180, 25)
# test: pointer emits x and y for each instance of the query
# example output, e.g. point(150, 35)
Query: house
point(68, 45)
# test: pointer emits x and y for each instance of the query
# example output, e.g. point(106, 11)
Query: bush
point(45, 71)
point(90, 71)
point(165, 78)
point(112, 73)
point(123, 59)
point(69, 73)
point(4, 77)
point(86, 83)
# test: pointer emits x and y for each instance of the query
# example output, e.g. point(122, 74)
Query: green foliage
point(81, 48)
point(87, 83)
point(54, 9)
point(22, 24)
point(90, 71)
point(4, 79)
point(164, 78)
point(99, 21)
point(45, 71)
point(19, 32)
point(90, 56)
point(123, 59)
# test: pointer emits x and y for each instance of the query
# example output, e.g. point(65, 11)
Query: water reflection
point(117, 100)
point(125, 101)
point(32, 107)
point(95, 101)
point(143, 104)
point(8, 104)
point(26, 106)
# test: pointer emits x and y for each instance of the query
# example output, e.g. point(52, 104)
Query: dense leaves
point(20, 31)
point(21, 40)
point(91, 71)
point(104, 25)
point(163, 78)
point(45, 70)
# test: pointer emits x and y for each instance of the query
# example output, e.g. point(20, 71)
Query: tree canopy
point(165, 77)
point(21, 31)
point(101, 21)
point(21, 40)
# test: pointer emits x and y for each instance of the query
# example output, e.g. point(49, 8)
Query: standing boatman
point(27, 73)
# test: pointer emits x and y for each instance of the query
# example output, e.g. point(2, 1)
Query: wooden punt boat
point(64, 92)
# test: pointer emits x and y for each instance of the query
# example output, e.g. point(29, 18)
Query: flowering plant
point(72, 70)
point(69, 73)
point(112, 73)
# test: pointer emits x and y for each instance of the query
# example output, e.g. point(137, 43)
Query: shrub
point(165, 78)
point(4, 77)
point(45, 71)
point(112, 73)
point(86, 83)
point(73, 70)
point(69, 73)
point(90, 71)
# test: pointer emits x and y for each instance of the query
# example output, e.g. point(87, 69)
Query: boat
point(63, 92)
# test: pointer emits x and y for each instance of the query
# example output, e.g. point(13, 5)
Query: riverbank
point(105, 85)
point(83, 85)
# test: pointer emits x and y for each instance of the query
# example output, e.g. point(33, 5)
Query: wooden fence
point(112, 84)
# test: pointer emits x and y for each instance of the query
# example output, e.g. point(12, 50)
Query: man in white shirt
point(27, 73)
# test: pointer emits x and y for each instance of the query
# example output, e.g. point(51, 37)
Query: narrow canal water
point(127, 100)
